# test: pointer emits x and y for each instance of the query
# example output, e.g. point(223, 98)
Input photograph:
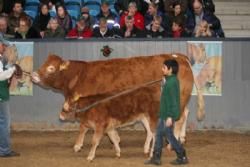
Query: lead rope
point(114, 96)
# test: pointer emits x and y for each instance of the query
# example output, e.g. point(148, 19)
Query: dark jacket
point(41, 21)
point(152, 34)
point(32, 33)
point(136, 33)
point(109, 33)
point(59, 33)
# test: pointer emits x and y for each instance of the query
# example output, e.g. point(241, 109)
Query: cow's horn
point(64, 65)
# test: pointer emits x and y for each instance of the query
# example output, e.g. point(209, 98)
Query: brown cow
point(79, 80)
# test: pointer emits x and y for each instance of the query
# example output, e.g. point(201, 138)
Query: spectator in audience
point(42, 19)
point(130, 30)
point(203, 30)
point(7, 5)
point(178, 29)
point(81, 30)
point(90, 20)
point(208, 5)
point(177, 12)
point(54, 30)
point(4, 29)
point(132, 11)
point(199, 14)
point(105, 12)
point(102, 31)
point(122, 6)
point(155, 30)
point(169, 5)
point(151, 13)
point(17, 12)
point(25, 29)
point(63, 18)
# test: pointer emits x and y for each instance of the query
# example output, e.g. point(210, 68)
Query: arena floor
point(54, 149)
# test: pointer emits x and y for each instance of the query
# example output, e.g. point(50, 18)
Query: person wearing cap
point(105, 12)
point(81, 30)
point(5, 75)
point(90, 20)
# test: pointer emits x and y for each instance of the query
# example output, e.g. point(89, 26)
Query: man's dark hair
point(172, 63)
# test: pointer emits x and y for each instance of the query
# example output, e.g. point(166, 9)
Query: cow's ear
point(64, 65)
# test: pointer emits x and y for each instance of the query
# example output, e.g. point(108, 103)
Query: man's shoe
point(180, 161)
point(11, 154)
point(152, 161)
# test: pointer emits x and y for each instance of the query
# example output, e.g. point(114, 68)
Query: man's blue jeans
point(164, 131)
point(4, 128)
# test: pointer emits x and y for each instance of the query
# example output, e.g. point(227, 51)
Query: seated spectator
point(155, 30)
point(17, 12)
point(178, 29)
point(132, 11)
point(63, 18)
point(7, 5)
point(208, 5)
point(199, 14)
point(177, 12)
point(151, 13)
point(54, 30)
point(130, 30)
point(42, 19)
point(203, 30)
point(169, 5)
point(102, 31)
point(81, 30)
point(4, 29)
point(121, 6)
point(105, 12)
point(25, 29)
point(90, 20)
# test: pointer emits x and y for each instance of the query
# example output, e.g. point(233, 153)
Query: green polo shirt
point(4, 89)
point(170, 99)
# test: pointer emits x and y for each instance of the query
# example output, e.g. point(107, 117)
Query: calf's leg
point(80, 138)
point(114, 137)
point(95, 142)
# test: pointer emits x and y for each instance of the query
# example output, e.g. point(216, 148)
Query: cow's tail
point(200, 114)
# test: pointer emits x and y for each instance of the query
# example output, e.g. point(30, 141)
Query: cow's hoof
point(182, 140)
point(77, 148)
point(90, 159)
point(146, 154)
point(118, 155)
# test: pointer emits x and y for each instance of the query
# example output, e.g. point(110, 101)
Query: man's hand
point(169, 122)
point(18, 72)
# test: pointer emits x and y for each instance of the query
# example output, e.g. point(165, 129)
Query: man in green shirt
point(169, 113)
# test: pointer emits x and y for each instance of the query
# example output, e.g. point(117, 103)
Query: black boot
point(155, 160)
point(181, 159)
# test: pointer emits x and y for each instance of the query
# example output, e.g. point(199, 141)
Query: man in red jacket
point(81, 30)
point(132, 11)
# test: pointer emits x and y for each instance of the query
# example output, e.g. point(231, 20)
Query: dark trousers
point(164, 131)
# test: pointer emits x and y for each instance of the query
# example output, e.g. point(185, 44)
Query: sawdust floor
point(55, 149)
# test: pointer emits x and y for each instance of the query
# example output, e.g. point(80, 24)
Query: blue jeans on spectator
point(164, 131)
point(4, 128)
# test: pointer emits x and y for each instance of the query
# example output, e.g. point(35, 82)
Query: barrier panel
point(225, 109)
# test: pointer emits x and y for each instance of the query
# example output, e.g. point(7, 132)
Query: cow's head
point(50, 73)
